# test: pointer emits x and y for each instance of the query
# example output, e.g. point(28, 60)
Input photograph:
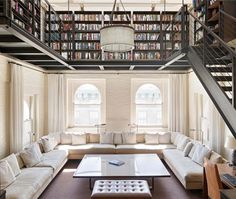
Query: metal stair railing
point(215, 54)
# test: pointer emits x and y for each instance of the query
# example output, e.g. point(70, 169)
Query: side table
point(2, 194)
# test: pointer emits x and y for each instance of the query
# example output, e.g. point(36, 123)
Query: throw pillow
point(187, 149)
point(106, 138)
point(66, 138)
point(117, 138)
point(94, 138)
point(183, 141)
point(48, 143)
point(192, 150)
point(129, 137)
point(200, 153)
point(79, 139)
point(7, 175)
point(216, 158)
point(30, 156)
point(177, 138)
point(12, 161)
point(140, 138)
point(164, 138)
point(151, 138)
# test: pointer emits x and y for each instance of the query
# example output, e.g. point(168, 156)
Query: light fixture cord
point(113, 10)
point(125, 10)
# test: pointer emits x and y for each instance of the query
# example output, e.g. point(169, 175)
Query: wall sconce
point(98, 126)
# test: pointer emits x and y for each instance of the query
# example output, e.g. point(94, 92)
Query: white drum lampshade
point(117, 38)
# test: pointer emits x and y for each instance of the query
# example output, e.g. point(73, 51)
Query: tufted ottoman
point(121, 189)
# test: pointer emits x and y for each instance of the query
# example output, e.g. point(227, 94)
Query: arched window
point(148, 105)
point(87, 105)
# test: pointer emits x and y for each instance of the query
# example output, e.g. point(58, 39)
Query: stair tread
point(227, 88)
point(223, 78)
point(220, 69)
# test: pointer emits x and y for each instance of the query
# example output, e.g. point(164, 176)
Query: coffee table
point(135, 166)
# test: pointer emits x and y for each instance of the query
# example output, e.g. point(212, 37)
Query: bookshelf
point(171, 27)
point(26, 14)
point(87, 35)
point(147, 27)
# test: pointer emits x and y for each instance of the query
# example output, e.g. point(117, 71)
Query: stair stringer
point(216, 94)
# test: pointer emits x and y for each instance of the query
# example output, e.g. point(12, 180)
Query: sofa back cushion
point(6, 174)
point(118, 138)
point(93, 138)
point(79, 139)
point(19, 160)
point(173, 136)
point(57, 137)
point(140, 138)
point(129, 138)
point(12, 161)
point(48, 143)
point(152, 138)
point(178, 138)
point(66, 138)
point(200, 153)
point(164, 138)
point(106, 138)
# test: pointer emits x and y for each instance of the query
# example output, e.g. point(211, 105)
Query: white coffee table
point(136, 166)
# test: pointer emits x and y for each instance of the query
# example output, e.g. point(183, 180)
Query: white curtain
point(16, 109)
point(177, 103)
point(56, 103)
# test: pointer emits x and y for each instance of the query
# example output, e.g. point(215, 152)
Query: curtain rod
point(25, 66)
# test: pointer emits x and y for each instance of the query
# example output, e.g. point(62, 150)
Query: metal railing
point(215, 54)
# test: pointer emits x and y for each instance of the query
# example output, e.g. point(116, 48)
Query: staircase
point(213, 61)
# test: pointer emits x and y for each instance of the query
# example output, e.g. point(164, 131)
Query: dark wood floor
point(66, 187)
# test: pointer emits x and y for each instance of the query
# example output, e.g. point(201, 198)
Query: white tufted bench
point(121, 189)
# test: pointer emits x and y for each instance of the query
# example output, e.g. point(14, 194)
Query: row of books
point(89, 27)
point(146, 36)
point(117, 17)
point(144, 17)
point(147, 46)
point(87, 36)
point(88, 17)
point(147, 55)
point(53, 17)
point(66, 46)
point(65, 17)
point(154, 27)
point(167, 17)
point(67, 26)
point(87, 55)
point(117, 56)
point(87, 46)
point(67, 55)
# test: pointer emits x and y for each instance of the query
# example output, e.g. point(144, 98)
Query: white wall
point(118, 96)
point(34, 84)
point(213, 126)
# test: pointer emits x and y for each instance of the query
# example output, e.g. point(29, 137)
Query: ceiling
point(131, 5)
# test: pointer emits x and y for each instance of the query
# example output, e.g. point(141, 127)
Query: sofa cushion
point(185, 167)
point(143, 148)
point(56, 135)
point(53, 159)
point(192, 150)
point(178, 138)
point(31, 156)
point(92, 148)
point(66, 138)
point(6, 174)
point(118, 138)
point(151, 138)
point(164, 138)
point(78, 139)
point(28, 182)
point(19, 160)
point(187, 149)
point(183, 141)
point(200, 153)
point(173, 136)
point(12, 161)
point(106, 138)
point(129, 138)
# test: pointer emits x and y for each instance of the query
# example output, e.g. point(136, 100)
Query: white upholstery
point(187, 171)
point(53, 159)
point(28, 182)
point(121, 189)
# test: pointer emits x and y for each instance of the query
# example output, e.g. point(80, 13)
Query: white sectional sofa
point(186, 166)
